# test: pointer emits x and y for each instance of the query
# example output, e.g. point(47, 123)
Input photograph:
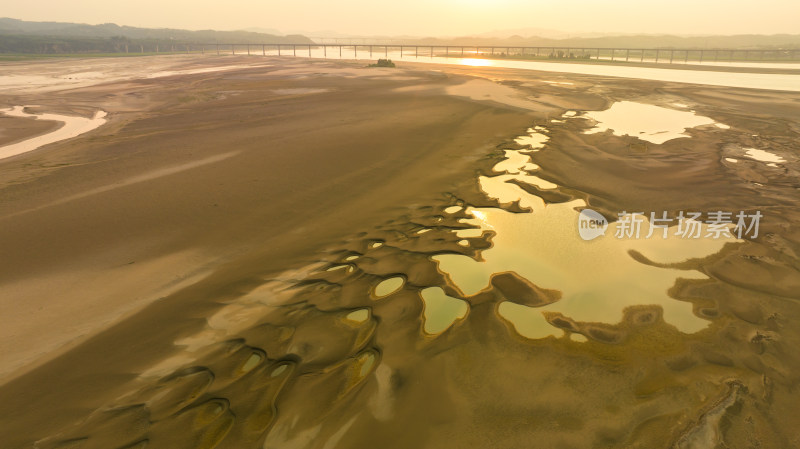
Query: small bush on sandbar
point(383, 63)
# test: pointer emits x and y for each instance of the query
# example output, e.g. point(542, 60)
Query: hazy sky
point(427, 17)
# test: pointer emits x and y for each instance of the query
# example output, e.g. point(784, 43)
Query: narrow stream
point(73, 126)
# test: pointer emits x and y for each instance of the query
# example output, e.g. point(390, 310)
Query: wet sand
point(209, 269)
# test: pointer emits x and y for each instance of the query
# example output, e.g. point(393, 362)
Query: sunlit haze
point(427, 18)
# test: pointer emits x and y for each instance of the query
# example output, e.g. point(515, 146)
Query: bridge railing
point(657, 55)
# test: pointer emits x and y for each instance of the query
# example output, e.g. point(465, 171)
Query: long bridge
point(670, 55)
point(346, 50)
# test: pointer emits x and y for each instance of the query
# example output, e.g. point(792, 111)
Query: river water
point(770, 81)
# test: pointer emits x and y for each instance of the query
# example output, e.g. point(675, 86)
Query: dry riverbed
point(255, 257)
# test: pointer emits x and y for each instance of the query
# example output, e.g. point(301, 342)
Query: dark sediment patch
point(519, 290)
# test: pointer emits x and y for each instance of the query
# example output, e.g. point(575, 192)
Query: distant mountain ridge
point(782, 41)
point(20, 29)
point(661, 41)
point(543, 37)
point(44, 37)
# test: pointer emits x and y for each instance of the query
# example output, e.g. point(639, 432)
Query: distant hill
point(551, 38)
point(18, 36)
point(541, 32)
point(745, 41)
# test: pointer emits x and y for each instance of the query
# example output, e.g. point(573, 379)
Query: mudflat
point(248, 258)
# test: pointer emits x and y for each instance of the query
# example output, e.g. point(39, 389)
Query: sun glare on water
point(476, 62)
